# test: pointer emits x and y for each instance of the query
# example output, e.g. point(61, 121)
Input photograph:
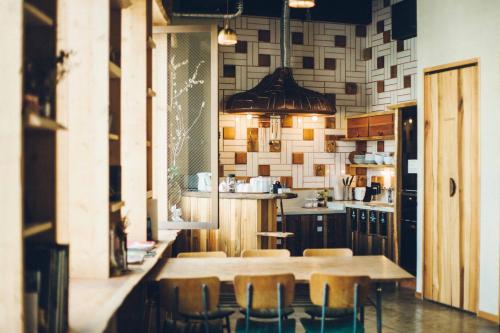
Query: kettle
point(204, 181)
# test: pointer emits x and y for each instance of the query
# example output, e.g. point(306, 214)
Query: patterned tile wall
point(330, 58)
point(391, 71)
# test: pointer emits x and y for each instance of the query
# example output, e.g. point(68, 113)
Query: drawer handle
point(453, 187)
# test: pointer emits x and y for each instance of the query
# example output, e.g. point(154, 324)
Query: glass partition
point(192, 127)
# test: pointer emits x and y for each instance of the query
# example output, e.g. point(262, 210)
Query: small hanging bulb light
point(227, 36)
point(301, 3)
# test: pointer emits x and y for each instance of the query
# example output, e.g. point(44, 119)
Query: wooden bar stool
point(265, 253)
point(341, 252)
point(338, 294)
point(210, 254)
point(265, 294)
point(193, 299)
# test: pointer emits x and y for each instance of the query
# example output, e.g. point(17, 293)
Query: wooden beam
point(133, 117)
point(11, 244)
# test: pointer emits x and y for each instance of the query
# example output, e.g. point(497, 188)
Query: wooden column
point(83, 96)
point(11, 280)
point(133, 121)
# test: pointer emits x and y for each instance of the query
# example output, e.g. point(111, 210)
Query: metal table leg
point(379, 307)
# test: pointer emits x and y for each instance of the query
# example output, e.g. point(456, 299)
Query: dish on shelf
point(379, 159)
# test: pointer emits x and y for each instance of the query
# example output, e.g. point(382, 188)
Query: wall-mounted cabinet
point(371, 126)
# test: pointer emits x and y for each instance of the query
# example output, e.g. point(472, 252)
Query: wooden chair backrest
point(211, 254)
point(264, 290)
point(265, 253)
point(340, 289)
point(327, 252)
point(190, 294)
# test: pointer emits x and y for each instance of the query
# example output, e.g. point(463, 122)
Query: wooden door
point(451, 179)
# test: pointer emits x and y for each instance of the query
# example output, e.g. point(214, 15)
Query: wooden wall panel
point(11, 279)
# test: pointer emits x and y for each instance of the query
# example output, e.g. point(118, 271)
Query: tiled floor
point(402, 312)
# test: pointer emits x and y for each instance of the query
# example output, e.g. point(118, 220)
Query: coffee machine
point(372, 191)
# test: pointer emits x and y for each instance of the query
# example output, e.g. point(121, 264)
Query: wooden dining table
point(379, 268)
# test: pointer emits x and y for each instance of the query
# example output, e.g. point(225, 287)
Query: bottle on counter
point(231, 183)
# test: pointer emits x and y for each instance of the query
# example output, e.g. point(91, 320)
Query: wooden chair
point(265, 253)
point(270, 294)
point(193, 299)
point(327, 252)
point(342, 293)
point(211, 254)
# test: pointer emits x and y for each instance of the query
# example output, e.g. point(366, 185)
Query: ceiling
point(345, 11)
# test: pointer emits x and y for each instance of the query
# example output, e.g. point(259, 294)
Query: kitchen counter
point(340, 208)
point(239, 195)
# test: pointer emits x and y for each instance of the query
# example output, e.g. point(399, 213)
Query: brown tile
point(221, 170)
point(308, 62)
point(380, 146)
point(400, 45)
point(380, 27)
point(361, 146)
point(351, 88)
point(229, 71)
point(240, 158)
point(330, 143)
point(367, 53)
point(330, 122)
point(264, 36)
point(287, 122)
point(380, 62)
point(275, 146)
point(330, 63)
point(387, 3)
point(297, 158)
point(297, 38)
point(244, 179)
point(387, 36)
point(264, 60)
point(319, 170)
point(308, 134)
point(229, 133)
point(361, 30)
point(264, 170)
point(286, 181)
point(380, 86)
point(407, 81)
point(252, 140)
point(394, 71)
point(340, 41)
point(241, 46)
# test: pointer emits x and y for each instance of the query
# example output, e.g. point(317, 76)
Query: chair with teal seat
point(265, 293)
point(341, 293)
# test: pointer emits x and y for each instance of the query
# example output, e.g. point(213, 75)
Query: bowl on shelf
point(370, 158)
point(379, 159)
point(388, 160)
point(359, 159)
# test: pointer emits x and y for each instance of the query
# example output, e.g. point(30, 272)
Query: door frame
point(436, 69)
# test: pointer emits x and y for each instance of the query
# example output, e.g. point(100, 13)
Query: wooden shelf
point(149, 194)
point(115, 72)
point(36, 17)
point(115, 206)
point(34, 121)
point(37, 228)
point(120, 4)
point(370, 138)
point(372, 166)
point(275, 234)
point(113, 137)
